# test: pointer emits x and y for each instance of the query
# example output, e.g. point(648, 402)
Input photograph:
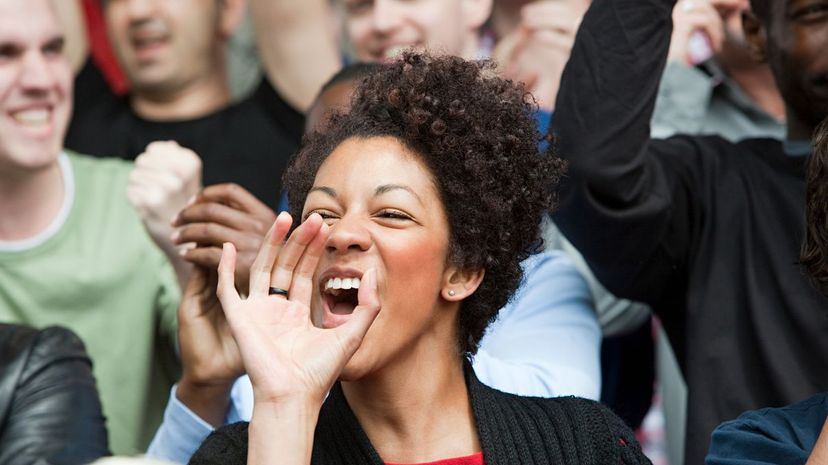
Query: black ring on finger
point(277, 291)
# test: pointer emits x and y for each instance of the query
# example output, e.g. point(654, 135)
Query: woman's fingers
point(292, 252)
point(352, 332)
point(301, 289)
point(260, 271)
point(226, 289)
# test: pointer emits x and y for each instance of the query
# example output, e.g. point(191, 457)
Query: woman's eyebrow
point(324, 189)
point(385, 188)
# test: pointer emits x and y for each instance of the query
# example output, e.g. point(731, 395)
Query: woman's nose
point(348, 234)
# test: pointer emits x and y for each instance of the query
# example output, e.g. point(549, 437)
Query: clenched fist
point(165, 177)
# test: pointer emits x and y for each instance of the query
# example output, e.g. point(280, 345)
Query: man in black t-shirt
point(173, 55)
point(707, 232)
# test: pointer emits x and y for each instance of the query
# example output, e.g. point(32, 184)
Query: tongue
point(342, 308)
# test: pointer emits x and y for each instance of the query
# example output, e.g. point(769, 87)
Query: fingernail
point(175, 235)
point(192, 200)
point(174, 219)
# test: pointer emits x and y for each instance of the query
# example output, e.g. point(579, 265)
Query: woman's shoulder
point(571, 410)
point(564, 425)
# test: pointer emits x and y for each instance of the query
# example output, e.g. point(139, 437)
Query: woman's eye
point(393, 215)
point(325, 214)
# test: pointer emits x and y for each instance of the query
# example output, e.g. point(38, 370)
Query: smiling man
point(380, 29)
point(72, 250)
point(174, 55)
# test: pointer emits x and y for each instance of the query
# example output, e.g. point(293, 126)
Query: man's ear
point(476, 13)
point(231, 13)
point(756, 36)
point(459, 284)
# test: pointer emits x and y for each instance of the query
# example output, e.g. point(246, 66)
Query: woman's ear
point(459, 284)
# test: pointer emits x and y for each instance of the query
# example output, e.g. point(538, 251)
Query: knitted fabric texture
point(512, 429)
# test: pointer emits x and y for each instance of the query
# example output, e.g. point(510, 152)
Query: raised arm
point(297, 45)
point(627, 203)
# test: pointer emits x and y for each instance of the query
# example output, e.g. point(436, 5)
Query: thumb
point(196, 283)
point(353, 332)
point(193, 296)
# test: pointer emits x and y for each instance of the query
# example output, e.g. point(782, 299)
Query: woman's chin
point(357, 367)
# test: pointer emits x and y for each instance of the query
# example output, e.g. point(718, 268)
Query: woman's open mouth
point(339, 290)
point(341, 295)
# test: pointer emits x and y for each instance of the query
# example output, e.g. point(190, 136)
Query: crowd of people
point(448, 232)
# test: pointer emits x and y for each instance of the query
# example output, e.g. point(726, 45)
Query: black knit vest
point(513, 430)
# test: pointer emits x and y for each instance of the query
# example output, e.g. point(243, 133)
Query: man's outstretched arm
point(626, 203)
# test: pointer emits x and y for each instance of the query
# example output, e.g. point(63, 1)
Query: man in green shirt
point(72, 250)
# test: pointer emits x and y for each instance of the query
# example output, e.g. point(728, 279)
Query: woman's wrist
point(283, 430)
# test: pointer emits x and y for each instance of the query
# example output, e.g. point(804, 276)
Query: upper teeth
point(342, 283)
point(32, 116)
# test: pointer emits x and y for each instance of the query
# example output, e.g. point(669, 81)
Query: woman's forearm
point(282, 432)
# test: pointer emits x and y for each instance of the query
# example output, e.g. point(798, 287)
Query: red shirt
point(476, 459)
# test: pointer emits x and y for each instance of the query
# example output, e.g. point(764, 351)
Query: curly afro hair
point(814, 255)
point(477, 135)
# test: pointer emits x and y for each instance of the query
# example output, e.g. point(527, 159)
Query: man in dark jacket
point(704, 230)
point(798, 433)
point(49, 407)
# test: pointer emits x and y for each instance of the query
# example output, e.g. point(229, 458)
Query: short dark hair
point(351, 72)
point(477, 135)
point(761, 8)
point(814, 256)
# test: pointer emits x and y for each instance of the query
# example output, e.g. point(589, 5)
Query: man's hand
point(219, 214)
point(165, 176)
point(536, 52)
point(209, 355)
point(709, 19)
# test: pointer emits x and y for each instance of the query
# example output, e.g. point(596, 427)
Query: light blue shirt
point(546, 342)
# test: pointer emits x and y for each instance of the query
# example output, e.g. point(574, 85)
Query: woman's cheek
point(417, 268)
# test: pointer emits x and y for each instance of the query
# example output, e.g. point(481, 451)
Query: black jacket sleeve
point(49, 406)
point(629, 204)
point(224, 446)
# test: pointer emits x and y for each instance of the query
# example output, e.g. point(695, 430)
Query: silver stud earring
point(451, 292)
